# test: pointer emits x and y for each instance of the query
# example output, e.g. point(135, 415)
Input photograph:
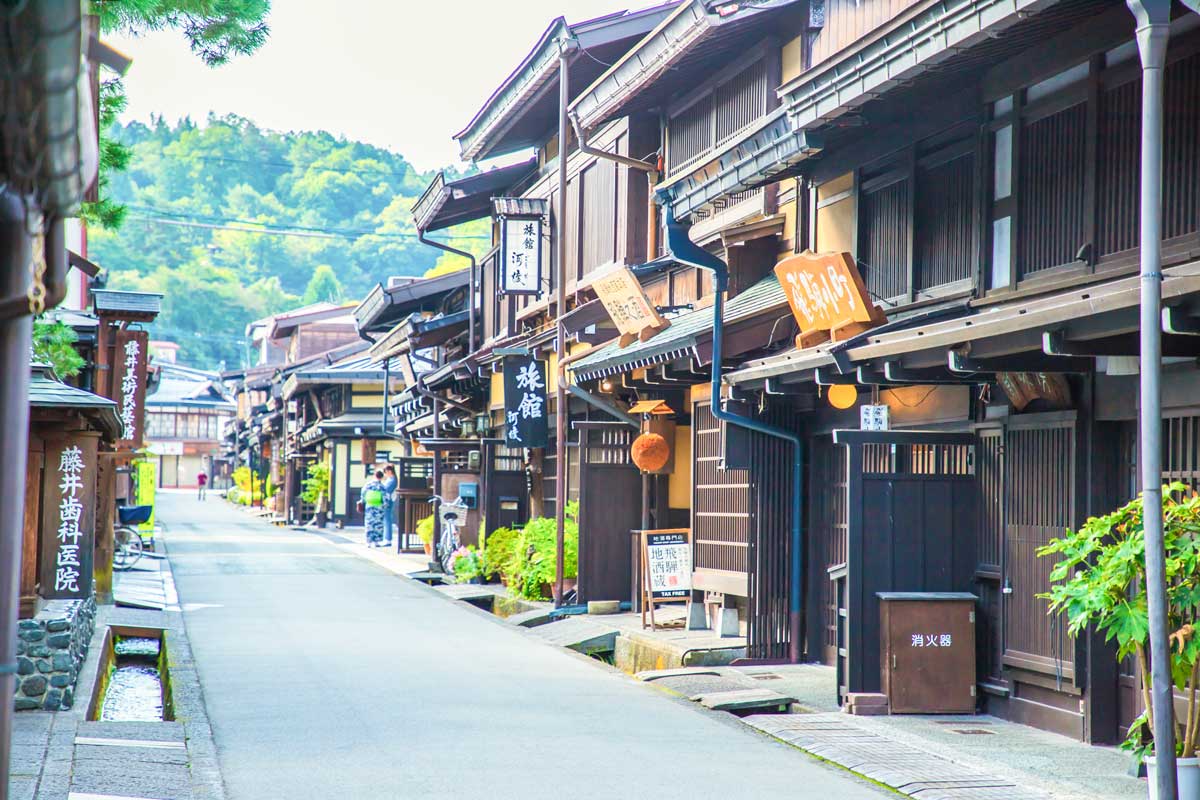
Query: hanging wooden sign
point(521, 255)
point(626, 303)
point(525, 402)
point(130, 362)
point(666, 569)
point(827, 296)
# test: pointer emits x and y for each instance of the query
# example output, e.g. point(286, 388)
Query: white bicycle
point(453, 516)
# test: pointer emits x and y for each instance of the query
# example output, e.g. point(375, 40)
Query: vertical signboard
point(525, 402)
point(666, 569)
point(68, 516)
point(129, 385)
point(627, 305)
point(521, 255)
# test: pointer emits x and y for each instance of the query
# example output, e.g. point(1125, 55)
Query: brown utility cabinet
point(927, 646)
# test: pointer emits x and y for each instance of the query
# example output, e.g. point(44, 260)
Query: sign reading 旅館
point(521, 255)
point(525, 402)
point(827, 297)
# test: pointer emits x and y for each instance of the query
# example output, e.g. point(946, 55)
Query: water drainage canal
point(134, 682)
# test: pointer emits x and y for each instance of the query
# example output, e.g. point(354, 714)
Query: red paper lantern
point(650, 452)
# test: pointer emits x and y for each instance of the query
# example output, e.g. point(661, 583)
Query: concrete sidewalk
point(62, 755)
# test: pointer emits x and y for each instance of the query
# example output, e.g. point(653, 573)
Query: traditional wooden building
point(186, 417)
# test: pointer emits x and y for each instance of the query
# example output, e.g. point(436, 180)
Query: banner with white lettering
point(525, 408)
point(130, 362)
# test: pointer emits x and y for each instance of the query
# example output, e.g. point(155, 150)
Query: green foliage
point(316, 483)
point(216, 30)
point(54, 344)
point(232, 223)
point(425, 529)
point(536, 554)
point(501, 550)
point(468, 563)
point(323, 287)
point(1100, 580)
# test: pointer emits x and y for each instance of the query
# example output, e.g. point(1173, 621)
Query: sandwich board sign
point(666, 569)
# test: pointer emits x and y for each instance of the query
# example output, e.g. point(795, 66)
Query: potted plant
point(1100, 581)
point(316, 489)
point(501, 549)
point(468, 565)
point(425, 533)
point(536, 556)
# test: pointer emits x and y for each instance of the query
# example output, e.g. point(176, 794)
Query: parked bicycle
point(453, 516)
point(127, 541)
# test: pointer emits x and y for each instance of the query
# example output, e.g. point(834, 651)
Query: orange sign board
point(827, 296)
point(626, 303)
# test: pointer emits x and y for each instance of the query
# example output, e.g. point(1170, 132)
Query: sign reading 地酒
point(626, 303)
point(827, 297)
point(521, 255)
point(666, 569)
point(525, 402)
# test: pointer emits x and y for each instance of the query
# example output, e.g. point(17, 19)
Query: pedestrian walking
point(389, 502)
point(371, 504)
point(202, 483)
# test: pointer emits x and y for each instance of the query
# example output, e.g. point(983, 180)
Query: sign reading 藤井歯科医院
point(827, 297)
point(521, 255)
point(525, 402)
point(68, 517)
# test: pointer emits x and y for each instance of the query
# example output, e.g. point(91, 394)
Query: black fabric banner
point(525, 402)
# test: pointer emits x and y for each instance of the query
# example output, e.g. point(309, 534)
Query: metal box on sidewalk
point(927, 646)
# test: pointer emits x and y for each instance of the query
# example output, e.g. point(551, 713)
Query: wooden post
point(106, 502)
point(29, 538)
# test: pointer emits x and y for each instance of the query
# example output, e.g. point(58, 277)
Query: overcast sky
point(404, 75)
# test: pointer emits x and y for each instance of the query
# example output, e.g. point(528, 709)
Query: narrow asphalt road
point(327, 677)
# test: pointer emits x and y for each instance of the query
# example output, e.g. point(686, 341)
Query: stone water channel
point(136, 686)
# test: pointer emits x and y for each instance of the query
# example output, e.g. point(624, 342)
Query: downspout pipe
point(685, 251)
point(1153, 18)
point(470, 294)
point(607, 408)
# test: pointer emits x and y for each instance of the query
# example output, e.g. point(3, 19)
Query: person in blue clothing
point(389, 502)
point(373, 514)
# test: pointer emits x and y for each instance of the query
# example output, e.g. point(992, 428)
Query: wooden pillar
point(537, 480)
point(106, 496)
point(29, 537)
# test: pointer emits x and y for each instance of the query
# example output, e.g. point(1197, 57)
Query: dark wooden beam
point(1019, 362)
point(1180, 320)
point(1055, 343)
point(827, 377)
point(897, 374)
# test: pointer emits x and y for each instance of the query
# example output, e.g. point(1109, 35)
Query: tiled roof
point(136, 302)
point(682, 336)
point(47, 392)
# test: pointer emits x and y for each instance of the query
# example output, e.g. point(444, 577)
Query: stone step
point(745, 700)
point(530, 619)
point(582, 635)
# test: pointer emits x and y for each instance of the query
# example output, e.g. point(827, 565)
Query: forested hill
point(313, 199)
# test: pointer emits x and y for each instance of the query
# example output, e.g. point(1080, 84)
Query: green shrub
point(233, 494)
point(316, 484)
point(536, 554)
point(501, 550)
point(468, 563)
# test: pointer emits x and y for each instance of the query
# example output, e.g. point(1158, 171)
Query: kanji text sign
point(826, 292)
point(68, 517)
point(130, 363)
point(521, 255)
point(668, 558)
point(525, 402)
point(626, 303)
point(873, 417)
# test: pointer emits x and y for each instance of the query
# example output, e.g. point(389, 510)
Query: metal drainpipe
point(652, 176)
point(682, 249)
point(565, 46)
point(471, 289)
point(1153, 30)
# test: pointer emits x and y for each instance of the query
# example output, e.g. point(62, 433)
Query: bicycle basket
point(134, 515)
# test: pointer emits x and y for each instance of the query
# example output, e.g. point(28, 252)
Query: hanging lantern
point(650, 452)
point(842, 396)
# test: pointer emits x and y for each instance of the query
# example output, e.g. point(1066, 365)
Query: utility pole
point(1153, 30)
point(565, 45)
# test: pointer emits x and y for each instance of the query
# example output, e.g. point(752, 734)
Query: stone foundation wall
point(50, 650)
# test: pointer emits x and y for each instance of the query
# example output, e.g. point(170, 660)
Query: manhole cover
point(973, 732)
